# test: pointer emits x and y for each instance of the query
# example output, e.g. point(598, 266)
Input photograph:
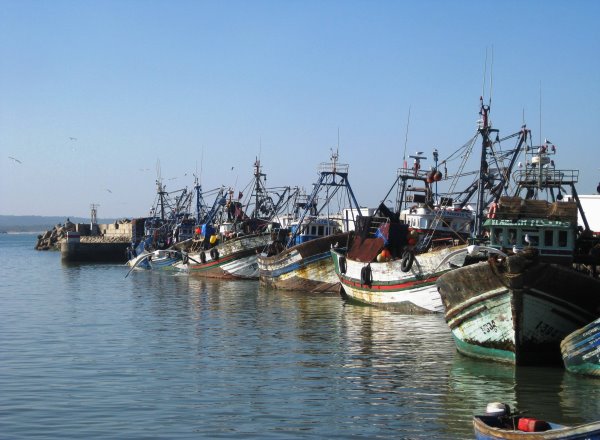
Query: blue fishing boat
point(161, 240)
point(498, 423)
point(581, 350)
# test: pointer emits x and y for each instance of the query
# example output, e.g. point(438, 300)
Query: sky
point(97, 96)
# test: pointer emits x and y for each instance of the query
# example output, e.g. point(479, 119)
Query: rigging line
point(468, 144)
point(453, 183)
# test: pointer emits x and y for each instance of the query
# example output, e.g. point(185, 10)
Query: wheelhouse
point(554, 239)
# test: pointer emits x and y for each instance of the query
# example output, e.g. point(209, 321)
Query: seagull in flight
point(109, 190)
point(15, 159)
point(72, 138)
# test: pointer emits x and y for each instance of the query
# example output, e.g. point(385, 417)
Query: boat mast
point(161, 198)
point(485, 129)
point(257, 187)
point(199, 199)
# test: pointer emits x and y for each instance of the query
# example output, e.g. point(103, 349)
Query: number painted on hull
point(489, 327)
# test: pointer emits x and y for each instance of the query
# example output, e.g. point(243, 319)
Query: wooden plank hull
point(519, 312)
point(581, 350)
point(413, 291)
point(485, 430)
point(235, 259)
point(307, 266)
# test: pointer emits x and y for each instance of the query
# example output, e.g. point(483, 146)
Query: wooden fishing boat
point(227, 258)
point(498, 425)
point(518, 308)
point(396, 257)
point(228, 248)
point(382, 268)
point(299, 257)
point(581, 350)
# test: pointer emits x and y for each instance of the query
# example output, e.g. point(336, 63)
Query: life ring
point(342, 263)
point(214, 253)
point(366, 276)
point(184, 259)
point(408, 259)
point(492, 210)
point(202, 257)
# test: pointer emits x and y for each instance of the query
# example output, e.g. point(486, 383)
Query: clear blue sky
point(210, 85)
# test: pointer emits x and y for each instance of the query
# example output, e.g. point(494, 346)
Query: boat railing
point(337, 168)
point(411, 172)
point(533, 177)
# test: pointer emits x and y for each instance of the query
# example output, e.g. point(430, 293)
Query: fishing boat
point(520, 304)
point(581, 350)
point(158, 240)
point(227, 247)
point(396, 257)
point(299, 257)
point(388, 263)
point(498, 423)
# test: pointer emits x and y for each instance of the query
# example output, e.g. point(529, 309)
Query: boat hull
point(581, 350)
point(232, 259)
point(413, 291)
point(157, 260)
point(307, 266)
point(484, 430)
point(517, 313)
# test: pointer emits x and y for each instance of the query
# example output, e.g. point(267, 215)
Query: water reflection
point(86, 350)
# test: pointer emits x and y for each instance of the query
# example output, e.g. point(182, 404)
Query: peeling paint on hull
point(307, 266)
point(516, 318)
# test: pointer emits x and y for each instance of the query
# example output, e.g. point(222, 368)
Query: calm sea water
point(88, 353)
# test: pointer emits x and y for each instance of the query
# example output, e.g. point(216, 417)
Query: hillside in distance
point(37, 223)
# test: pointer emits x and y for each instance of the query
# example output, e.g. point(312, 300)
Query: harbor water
point(87, 353)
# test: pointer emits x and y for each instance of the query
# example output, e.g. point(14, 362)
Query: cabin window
point(497, 236)
point(534, 240)
point(548, 238)
point(423, 223)
point(512, 236)
point(321, 230)
point(562, 238)
point(313, 230)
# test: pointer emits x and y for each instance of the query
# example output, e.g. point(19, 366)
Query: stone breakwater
point(118, 232)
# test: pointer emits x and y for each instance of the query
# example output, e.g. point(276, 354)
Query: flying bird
point(72, 138)
point(15, 159)
point(109, 190)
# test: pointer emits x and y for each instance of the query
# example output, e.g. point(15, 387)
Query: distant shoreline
point(31, 224)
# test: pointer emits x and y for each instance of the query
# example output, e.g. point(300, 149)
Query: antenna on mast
point(540, 112)
point(406, 140)
point(491, 77)
point(484, 74)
